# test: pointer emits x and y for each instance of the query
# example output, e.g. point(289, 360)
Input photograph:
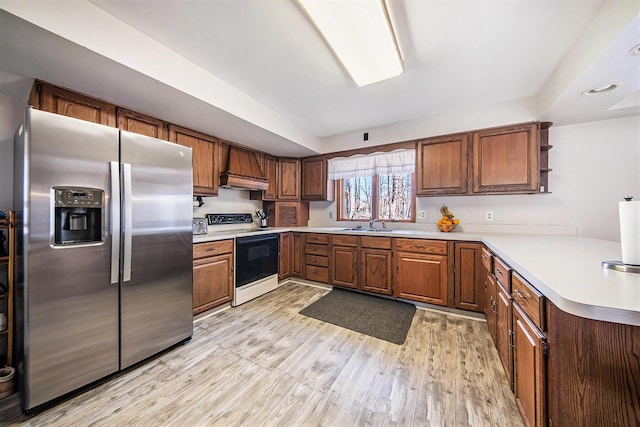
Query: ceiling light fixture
point(361, 36)
point(601, 89)
point(635, 50)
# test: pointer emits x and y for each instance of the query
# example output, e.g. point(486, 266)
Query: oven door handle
point(254, 239)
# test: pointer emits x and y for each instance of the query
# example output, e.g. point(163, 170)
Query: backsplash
point(228, 201)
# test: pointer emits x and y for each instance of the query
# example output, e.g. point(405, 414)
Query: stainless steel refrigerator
point(104, 261)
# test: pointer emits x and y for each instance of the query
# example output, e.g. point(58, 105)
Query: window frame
point(339, 191)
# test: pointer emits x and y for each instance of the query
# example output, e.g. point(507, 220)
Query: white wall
point(594, 165)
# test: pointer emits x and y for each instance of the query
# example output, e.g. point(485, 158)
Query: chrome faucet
point(371, 222)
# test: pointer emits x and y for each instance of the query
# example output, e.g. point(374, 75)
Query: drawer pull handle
point(520, 294)
point(484, 256)
point(210, 249)
point(499, 272)
point(419, 246)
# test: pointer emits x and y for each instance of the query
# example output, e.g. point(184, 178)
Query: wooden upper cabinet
point(442, 165)
point(139, 123)
point(288, 179)
point(506, 159)
point(315, 185)
point(67, 103)
point(205, 161)
point(271, 171)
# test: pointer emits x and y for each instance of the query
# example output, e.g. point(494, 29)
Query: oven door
point(256, 258)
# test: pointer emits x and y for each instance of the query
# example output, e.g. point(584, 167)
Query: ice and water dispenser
point(78, 215)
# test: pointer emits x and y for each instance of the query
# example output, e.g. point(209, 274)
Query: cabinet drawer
point(437, 247)
point(487, 259)
point(375, 242)
point(317, 238)
point(316, 249)
point(201, 250)
point(317, 274)
point(501, 270)
point(529, 299)
point(344, 240)
point(317, 260)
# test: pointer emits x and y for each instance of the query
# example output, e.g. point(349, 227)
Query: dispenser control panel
point(73, 197)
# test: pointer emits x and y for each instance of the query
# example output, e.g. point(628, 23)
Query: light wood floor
point(264, 364)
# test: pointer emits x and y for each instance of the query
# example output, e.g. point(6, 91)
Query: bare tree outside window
point(386, 197)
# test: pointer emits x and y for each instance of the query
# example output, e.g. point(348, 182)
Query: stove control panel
point(242, 218)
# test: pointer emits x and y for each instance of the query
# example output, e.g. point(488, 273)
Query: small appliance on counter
point(200, 226)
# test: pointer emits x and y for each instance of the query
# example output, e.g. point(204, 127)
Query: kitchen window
point(378, 185)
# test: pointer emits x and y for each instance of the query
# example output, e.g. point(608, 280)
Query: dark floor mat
point(381, 318)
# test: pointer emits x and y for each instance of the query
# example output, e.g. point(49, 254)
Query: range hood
point(243, 171)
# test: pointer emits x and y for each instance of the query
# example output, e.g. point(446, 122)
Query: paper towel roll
point(629, 212)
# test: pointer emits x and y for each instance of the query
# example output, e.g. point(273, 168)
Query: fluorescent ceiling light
point(361, 36)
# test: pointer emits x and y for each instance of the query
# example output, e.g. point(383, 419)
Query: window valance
point(392, 162)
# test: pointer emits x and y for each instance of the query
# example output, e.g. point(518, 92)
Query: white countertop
point(566, 269)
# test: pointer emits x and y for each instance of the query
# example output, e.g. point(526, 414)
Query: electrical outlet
point(422, 214)
point(488, 216)
point(330, 214)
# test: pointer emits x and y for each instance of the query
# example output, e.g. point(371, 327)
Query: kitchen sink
point(366, 229)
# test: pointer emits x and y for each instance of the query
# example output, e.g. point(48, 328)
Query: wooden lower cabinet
point(503, 331)
point(421, 277)
point(491, 304)
point(362, 263)
point(297, 255)
point(375, 271)
point(316, 257)
point(285, 256)
point(469, 277)
point(529, 369)
point(212, 274)
point(344, 266)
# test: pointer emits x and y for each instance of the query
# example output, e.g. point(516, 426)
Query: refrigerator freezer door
point(68, 305)
point(156, 300)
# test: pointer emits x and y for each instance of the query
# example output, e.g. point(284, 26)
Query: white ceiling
point(257, 72)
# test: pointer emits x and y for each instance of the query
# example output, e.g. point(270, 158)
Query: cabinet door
point(139, 123)
point(205, 159)
point(344, 267)
point(271, 172)
point(529, 370)
point(468, 277)
point(490, 304)
point(421, 277)
point(286, 246)
point(506, 160)
point(71, 104)
point(503, 331)
point(297, 256)
point(315, 185)
point(375, 271)
point(442, 165)
point(288, 179)
point(212, 282)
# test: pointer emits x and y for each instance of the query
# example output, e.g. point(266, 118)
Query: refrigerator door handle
point(127, 215)
point(114, 168)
